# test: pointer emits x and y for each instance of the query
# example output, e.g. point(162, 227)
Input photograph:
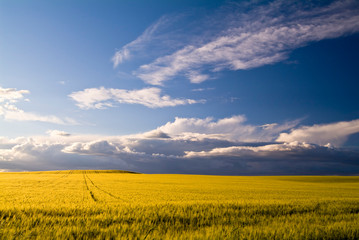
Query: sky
point(194, 87)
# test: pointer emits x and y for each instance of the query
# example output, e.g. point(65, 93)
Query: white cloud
point(240, 151)
point(157, 133)
point(100, 98)
point(196, 77)
point(92, 98)
point(201, 89)
point(13, 113)
point(10, 96)
point(333, 134)
point(152, 38)
point(264, 35)
point(57, 133)
point(230, 129)
point(125, 52)
point(120, 56)
point(99, 147)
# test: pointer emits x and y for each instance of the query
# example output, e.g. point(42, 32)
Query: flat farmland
point(88, 204)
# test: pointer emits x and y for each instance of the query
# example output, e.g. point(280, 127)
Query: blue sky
point(207, 87)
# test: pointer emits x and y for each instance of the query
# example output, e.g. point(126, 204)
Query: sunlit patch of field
point(122, 205)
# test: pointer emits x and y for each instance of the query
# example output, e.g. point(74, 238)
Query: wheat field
point(88, 204)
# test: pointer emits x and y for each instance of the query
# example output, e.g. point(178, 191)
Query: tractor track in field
point(104, 191)
point(50, 184)
point(88, 189)
point(53, 182)
point(63, 176)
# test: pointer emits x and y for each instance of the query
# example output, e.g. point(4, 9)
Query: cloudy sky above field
point(207, 87)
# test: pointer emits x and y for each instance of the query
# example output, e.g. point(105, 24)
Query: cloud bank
point(249, 36)
point(101, 98)
point(191, 145)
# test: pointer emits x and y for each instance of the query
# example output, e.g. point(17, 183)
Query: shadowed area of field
point(72, 172)
point(115, 204)
point(322, 179)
